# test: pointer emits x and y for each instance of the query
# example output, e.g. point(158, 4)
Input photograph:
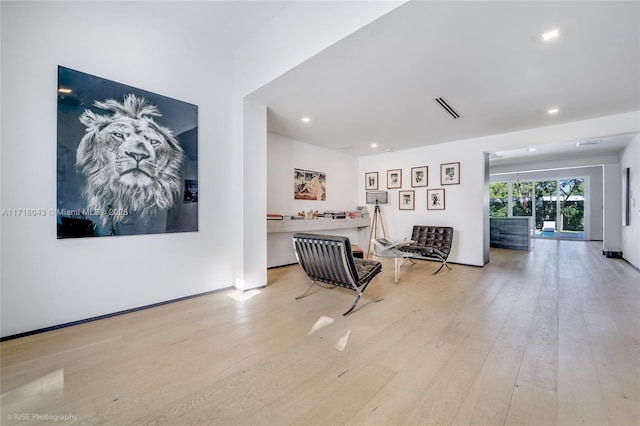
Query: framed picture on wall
point(394, 178)
point(419, 176)
point(127, 159)
point(371, 180)
point(309, 185)
point(406, 200)
point(450, 173)
point(435, 199)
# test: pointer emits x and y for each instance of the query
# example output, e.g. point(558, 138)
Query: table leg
point(396, 272)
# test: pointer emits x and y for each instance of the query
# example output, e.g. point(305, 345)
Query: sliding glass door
point(546, 208)
point(571, 193)
point(556, 207)
point(560, 208)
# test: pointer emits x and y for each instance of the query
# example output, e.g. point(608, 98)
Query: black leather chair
point(430, 243)
point(328, 259)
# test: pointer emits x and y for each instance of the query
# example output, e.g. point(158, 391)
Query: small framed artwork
point(371, 180)
point(394, 178)
point(450, 173)
point(407, 200)
point(419, 176)
point(435, 199)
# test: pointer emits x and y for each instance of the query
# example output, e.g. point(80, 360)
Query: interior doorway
point(557, 208)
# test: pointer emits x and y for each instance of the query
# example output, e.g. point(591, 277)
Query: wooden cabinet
point(510, 233)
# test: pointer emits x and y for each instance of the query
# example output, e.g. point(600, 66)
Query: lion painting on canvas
point(132, 165)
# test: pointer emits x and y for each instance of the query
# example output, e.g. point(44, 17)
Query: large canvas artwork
point(127, 160)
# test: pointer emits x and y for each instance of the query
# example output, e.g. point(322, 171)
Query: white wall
point(341, 170)
point(254, 193)
point(300, 31)
point(631, 234)
point(285, 154)
point(463, 202)
point(46, 281)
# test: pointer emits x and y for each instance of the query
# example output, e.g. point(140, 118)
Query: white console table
point(310, 225)
point(280, 234)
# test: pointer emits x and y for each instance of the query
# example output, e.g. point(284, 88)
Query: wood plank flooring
point(545, 337)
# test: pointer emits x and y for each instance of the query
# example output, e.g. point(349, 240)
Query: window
point(498, 199)
point(558, 208)
point(522, 196)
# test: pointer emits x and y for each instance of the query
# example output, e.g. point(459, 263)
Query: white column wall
point(45, 281)
point(463, 202)
point(300, 31)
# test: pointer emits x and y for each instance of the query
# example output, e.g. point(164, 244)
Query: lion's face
point(131, 163)
point(137, 150)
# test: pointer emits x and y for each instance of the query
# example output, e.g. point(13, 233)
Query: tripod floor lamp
point(379, 197)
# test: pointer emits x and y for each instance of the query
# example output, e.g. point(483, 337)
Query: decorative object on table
point(406, 199)
point(371, 180)
point(435, 199)
point(309, 185)
point(127, 159)
point(450, 173)
point(419, 176)
point(394, 178)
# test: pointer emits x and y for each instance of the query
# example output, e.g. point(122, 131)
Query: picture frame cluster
point(419, 178)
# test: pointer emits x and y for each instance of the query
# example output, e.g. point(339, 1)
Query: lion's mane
point(131, 163)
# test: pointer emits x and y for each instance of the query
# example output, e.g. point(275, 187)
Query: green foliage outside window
point(546, 192)
point(498, 199)
point(522, 193)
point(572, 210)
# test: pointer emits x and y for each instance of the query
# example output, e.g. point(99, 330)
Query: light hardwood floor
point(545, 337)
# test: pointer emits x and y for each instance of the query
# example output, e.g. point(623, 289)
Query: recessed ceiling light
point(374, 145)
point(550, 35)
point(553, 111)
point(305, 119)
point(531, 149)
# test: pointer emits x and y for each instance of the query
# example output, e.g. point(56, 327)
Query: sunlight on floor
point(242, 296)
point(342, 343)
point(322, 322)
point(49, 385)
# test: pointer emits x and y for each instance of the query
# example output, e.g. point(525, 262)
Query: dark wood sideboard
point(510, 233)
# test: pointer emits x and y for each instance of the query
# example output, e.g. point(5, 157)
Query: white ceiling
point(486, 59)
point(217, 24)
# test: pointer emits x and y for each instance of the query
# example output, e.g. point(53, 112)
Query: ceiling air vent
point(587, 143)
point(447, 107)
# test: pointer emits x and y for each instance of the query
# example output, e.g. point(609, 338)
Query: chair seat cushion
point(423, 251)
point(366, 268)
